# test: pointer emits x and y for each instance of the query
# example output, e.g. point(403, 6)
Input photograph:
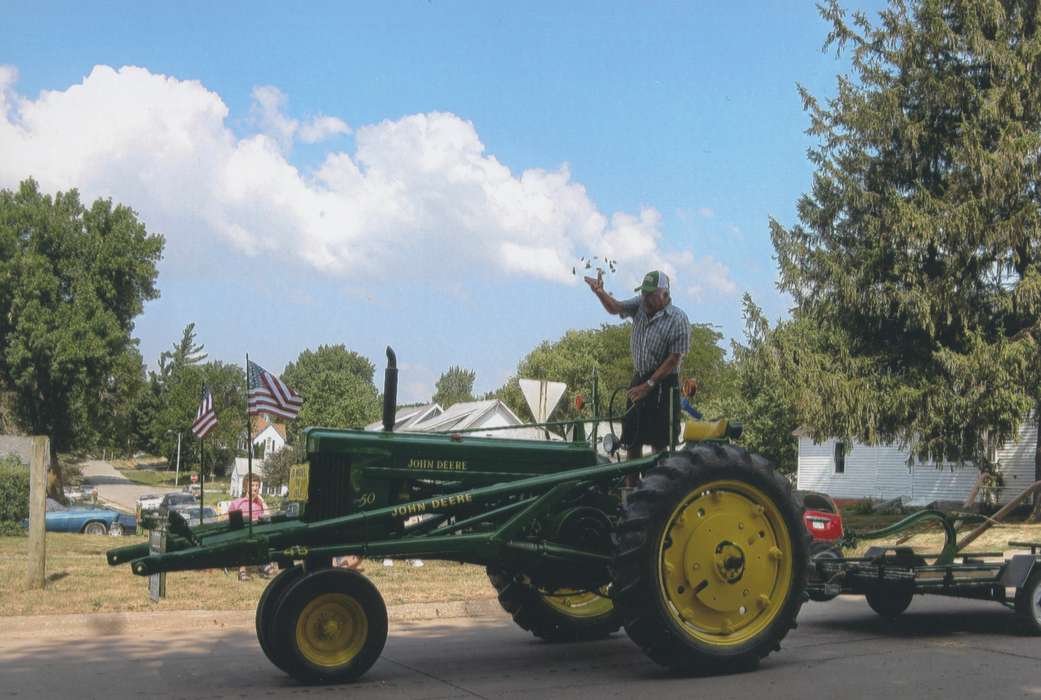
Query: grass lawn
point(165, 477)
point(80, 581)
point(152, 477)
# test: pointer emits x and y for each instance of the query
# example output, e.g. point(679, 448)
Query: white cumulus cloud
point(268, 113)
point(420, 194)
point(711, 276)
point(321, 127)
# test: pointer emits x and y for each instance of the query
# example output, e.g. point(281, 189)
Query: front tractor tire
point(265, 618)
point(710, 560)
point(560, 616)
point(330, 626)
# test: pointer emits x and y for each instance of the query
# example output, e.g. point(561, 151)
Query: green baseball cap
point(653, 281)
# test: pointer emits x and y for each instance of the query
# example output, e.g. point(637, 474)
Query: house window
point(840, 458)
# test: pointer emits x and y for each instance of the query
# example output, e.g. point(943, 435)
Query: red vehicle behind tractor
point(824, 523)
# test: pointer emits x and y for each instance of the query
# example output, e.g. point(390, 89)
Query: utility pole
point(177, 469)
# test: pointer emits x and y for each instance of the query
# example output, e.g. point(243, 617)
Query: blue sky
point(421, 174)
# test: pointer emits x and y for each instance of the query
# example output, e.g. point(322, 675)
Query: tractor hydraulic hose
point(950, 544)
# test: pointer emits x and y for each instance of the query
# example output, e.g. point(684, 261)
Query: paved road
point(939, 648)
point(115, 488)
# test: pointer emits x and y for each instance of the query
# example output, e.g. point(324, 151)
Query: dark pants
point(647, 423)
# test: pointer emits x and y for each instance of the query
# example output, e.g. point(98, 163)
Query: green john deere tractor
point(704, 563)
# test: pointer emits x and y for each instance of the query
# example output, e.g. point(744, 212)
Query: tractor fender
point(1017, 570)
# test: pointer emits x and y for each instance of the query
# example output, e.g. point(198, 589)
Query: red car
point(824, 523)
point(821, 516)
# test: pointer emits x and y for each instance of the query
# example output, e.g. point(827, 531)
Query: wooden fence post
point(37, 511)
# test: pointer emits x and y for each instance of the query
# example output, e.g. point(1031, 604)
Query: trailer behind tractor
point(889, 577)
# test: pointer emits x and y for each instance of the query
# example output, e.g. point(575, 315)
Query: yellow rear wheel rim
point(725, 563)
point(580, 604)
point(331, 630)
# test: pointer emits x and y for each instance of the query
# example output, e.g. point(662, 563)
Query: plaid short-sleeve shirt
point(655, 337)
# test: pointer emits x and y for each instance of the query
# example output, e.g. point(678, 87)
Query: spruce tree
point(915, 265)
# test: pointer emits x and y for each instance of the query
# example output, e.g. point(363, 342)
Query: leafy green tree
point(184, 353)
point(455, 386)
point(327, 358)
point(915, 267)
point(336, 385)
point(14, 491)
point(572, 359)
point(758, 394)
point(112, 416)
point(227, 383)
point(707, 363)
point(277, 465)
point(72, 280)
point(181, 396)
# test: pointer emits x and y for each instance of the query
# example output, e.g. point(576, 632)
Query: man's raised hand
point(596, 283)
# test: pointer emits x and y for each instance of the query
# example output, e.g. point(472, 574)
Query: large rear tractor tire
point(330, 626)
point(269, 599)
point(563, 616)
point(710, 560)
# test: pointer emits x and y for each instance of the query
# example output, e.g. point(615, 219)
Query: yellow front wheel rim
point(331, 630)
point(580, 604)
point(725, 563)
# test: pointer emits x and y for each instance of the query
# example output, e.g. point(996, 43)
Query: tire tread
point(635, 585)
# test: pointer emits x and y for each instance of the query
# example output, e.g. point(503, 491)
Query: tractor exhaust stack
point(390, 391)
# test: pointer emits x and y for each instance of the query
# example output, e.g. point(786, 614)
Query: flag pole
point(202, 475)
point(249, 452)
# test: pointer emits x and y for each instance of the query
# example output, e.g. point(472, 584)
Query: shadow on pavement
point(988, 621)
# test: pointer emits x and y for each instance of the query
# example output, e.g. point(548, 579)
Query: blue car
point(90, 520)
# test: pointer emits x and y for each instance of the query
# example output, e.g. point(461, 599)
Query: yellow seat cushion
point(697, 430)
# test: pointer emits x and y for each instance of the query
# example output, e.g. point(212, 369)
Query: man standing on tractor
point(660, 338)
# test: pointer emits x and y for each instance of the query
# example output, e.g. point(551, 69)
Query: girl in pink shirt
point(259, 507)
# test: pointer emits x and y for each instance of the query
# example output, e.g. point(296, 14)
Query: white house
point(268, 438)
point(407, 416)
point(881, 472)
point(467, 415)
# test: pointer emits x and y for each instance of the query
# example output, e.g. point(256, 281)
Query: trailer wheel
point(889, 602)
point(565, 616)
point(266, 610)
point(330, 626)
point(1028, 602)
point(710, 560)
point(820, 549)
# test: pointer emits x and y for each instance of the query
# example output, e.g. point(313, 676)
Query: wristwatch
point(650, 383)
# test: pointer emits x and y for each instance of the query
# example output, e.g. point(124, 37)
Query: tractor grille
point(329, 487)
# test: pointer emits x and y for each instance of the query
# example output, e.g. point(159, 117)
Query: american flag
point(205, 417)
point(267, 394)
